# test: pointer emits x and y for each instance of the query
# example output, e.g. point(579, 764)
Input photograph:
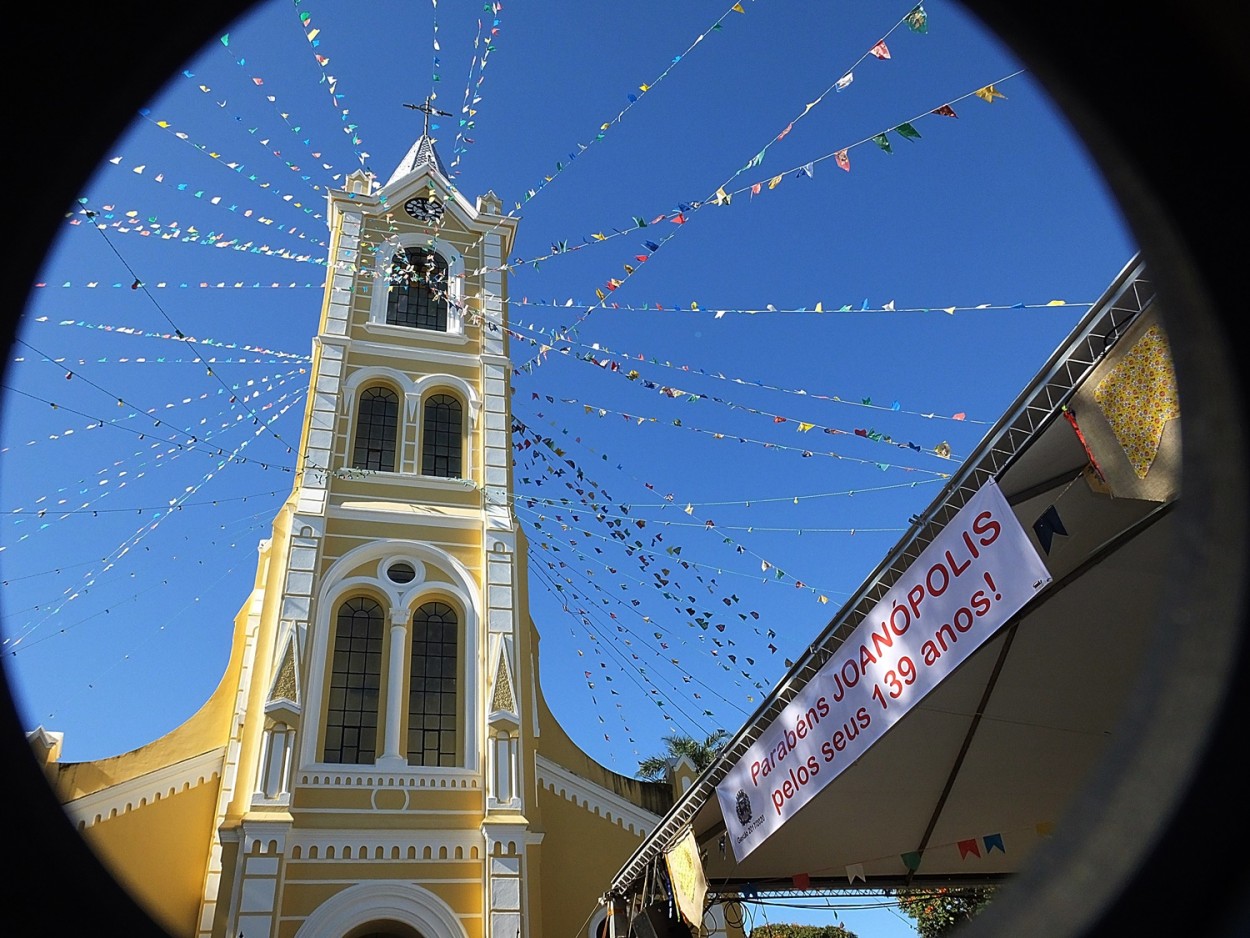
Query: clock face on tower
point(424, 209)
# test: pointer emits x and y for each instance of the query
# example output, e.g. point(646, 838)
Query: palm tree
point(700, 753)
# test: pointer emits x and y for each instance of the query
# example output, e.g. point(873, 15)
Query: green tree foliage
point(938, 912)
point(801, 931)
point(700, 752)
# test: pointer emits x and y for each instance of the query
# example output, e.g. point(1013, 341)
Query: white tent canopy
point(975, 780)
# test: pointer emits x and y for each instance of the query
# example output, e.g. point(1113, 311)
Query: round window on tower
point(401, 572)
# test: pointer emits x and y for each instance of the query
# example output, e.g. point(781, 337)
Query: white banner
point(977, 573)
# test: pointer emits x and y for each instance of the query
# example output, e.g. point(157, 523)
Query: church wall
point(580, 852)
point(159, 854)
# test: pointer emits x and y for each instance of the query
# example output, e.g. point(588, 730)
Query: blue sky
point(813, 357)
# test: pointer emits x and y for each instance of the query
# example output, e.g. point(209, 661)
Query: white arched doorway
point(391, 907)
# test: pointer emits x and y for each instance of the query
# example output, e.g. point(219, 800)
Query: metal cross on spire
point(426, 108)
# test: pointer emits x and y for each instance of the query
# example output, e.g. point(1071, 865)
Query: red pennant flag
point(680, 219)
point(802, 881)
point(843, 160)
point(880, 51)
point(968, 847)
point(945, 111)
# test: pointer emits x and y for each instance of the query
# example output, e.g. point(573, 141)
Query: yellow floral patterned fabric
point(1139, 397)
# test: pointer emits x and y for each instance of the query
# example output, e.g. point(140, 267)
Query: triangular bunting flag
point(855, 871)
point(907, 130)
point(968, 847)
point(1047, 526)
point(911, 860)
point(843, 160)
point(944, 111)
point(880, 51)
point(989, 93)
point(881, 141)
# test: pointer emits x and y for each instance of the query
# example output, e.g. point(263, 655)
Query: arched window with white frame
point(442, 436)
point(434, 705)
point(377, 430)
point(419, 290)
point(354, 691)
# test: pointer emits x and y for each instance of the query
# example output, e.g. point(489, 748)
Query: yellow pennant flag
point(774, 182)
point(989, 93)
point(737, 8)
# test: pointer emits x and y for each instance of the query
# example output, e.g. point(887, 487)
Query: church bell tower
point(384, 631)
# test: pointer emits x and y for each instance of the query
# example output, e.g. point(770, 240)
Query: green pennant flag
point(908, 131)
point(918, 20)
point(882, 142)
point(911, 860)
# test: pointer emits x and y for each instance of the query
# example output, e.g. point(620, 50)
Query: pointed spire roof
point(422, 152)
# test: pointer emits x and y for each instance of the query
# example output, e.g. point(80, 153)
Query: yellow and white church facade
point(378, 758)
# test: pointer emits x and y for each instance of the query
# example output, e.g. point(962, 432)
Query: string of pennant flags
point(941, 450)
point(632, 98)
point(71, 592)
point(182, 439)
point(294, 129)
point(236, 166)
point(679, 217)
point(350, 128)
point(171, 337)
point(643, 554)
point(598, 354)
point(976, 847)
point(586, 612)
point(683, 211)
point(530, 500)
point(126, 221)
point(473, 85)
point(581, 613)
point(138, 285)
point(528, 440)
point(917, 19)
